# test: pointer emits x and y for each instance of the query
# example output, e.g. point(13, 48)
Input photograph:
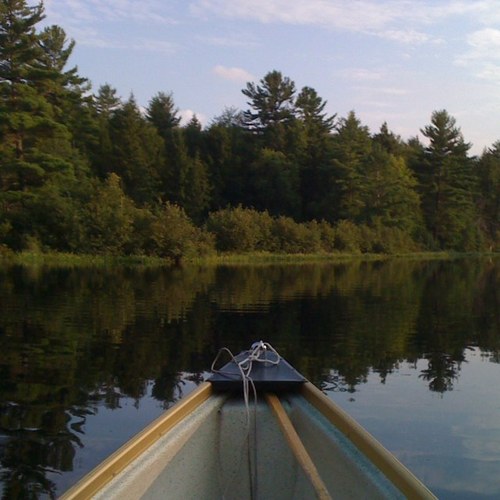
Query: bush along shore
point(89, 173)
point(236, 236)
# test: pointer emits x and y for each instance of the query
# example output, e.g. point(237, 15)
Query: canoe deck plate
point(265, 375)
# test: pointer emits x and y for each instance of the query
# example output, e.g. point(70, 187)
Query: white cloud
point(233, 74)
point(145, 11)
point(396, 20)
point(90, 38)
point(483, 56)
point(230, 41)
point(406, 36)
point(489, 72)
point(353, 15)
point(154, 46)
point(485, 43)
point(361, 74)
point(393, 91)
point(401, 21)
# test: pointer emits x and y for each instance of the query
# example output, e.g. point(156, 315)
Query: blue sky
point(388, 60)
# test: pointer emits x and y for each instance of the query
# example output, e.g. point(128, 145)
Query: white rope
point(257, 354)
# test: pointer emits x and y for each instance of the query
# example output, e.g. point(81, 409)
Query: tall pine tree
point(36, 144)
point(272, 109)
point(448, 185)
point(489, 197)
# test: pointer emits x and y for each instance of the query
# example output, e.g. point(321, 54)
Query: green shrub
point(108, 218)
point(176, 237)
point(292, 237)
point(347, 237)
point(327, 236)
point(238, 229)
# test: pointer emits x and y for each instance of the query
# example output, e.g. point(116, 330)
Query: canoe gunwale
point(93, 482)
point(387, 463)
point(375, 452)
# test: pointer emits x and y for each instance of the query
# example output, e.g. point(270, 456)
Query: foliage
point(292, 237)
point(92, 173)
point(448, 184)
point(237, 230)
point(489, 198)
point(108, 219)
point(176, 237)
point(347, 237)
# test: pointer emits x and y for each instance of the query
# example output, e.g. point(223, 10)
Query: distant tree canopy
point(91, 172)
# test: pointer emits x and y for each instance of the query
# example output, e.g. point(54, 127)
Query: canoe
point(285, 440)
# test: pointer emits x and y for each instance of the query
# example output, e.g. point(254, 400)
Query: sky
point(393, 61)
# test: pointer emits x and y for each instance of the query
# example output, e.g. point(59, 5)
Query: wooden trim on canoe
point(115, 463)
point(298, 447)
point(397, 473)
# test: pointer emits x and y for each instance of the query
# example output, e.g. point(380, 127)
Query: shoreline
point(55, 259)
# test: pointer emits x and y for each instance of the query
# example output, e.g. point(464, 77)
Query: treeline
point(89, 172)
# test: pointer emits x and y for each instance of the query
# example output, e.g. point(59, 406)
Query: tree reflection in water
point(75, 341)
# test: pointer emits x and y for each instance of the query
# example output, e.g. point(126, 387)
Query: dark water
point(410, 349)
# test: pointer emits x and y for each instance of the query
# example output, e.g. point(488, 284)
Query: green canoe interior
point(206, 456)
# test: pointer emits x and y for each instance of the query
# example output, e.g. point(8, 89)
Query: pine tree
point(272, 109)
point(388, 193)
point(185, 178)
point(228, 151)
point(137, 153)
point(448, 185)
point(193, 134)
point(103, 106)
point(388, 141)
point(274, 179)
point(163, 114)
point(37, 148)
point(352, 147)
point(22, 111)
point(489, 197)
point(316, 153)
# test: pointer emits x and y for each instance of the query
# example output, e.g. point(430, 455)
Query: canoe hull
point(219, 449)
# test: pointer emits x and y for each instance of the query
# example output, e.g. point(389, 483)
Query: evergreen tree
point(275, 180)
point(105, 103)
point(489, 198)
point(352, 147)
point(194, 137)
point(67, 93)
point(310, 109)
point(63, 85)
point(389, 193)
point(23, 113)
point(137, 153)
point(38, 154)
point(228, 151)
point(272, 103)
point(185, 178)
point(316, 154)
point(388, 141)
point(163, 114)
point(108, 218)
point(449, 185)
point(197, 191)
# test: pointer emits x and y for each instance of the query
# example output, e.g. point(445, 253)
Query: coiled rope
point(258, 353)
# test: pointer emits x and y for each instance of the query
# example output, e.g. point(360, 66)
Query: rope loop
point(256, 354)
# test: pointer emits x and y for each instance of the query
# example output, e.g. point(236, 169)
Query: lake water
point(411, 349)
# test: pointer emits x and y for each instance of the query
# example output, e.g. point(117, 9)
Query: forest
point(84, 171)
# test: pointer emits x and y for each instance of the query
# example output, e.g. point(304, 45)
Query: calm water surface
point(411, 349)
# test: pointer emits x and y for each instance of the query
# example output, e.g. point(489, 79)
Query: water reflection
point(73, 342)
